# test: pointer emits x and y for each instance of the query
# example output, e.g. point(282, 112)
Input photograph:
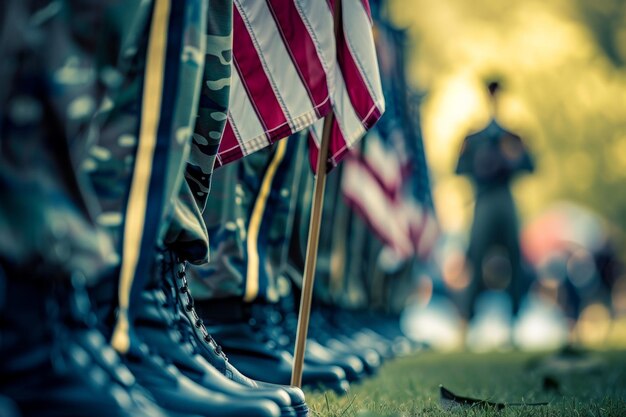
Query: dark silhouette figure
point(491, 158)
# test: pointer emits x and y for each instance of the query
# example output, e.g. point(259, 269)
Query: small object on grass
point(449, 400)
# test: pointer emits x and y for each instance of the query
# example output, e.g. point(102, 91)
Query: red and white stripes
point(289, 69)
point(373, 185)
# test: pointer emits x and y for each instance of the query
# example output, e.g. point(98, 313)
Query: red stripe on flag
point(331, 5)
point(254, 79)
point(385, 217)
point(229, 149)
point(393, 193)
point(360, 96)
point(303, 52)
point(338, 147)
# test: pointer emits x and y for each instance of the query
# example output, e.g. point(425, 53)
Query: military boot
point(181, 396)
point(160, 324)
point(315, 352)
point(211, 351)
point(54, 362)
point(355, 333)
point(172, 390)
point(323, 332)
point(258, 346)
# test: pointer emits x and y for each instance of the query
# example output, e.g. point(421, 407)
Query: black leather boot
point(8, 408)
point(388, 327)
point(259, 347)
point(54, 363)
point(157, 323)
point(172, 390)
point(181, 396)
point(323, 332)
point(210, 350)
point(355, 333)
point(318, 354)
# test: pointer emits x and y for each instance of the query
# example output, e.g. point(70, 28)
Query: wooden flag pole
point(314, 236)
point(311, 254)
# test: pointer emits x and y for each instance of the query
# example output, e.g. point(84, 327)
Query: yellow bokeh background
point(564, 92)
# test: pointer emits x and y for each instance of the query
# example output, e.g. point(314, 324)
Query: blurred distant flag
point(388, 182)
point(424, 229)
point(290, 71)
point(371, 185)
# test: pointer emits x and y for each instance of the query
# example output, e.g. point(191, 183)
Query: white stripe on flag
point(388, 219)
point(351, 127)
point(278, 65)
point(385, 162)
point(316, 131)
point(361, 45)
point(316, 16)
point(242, 109)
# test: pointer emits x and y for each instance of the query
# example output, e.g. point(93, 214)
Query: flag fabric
point(424, 228)
point(372, 187)
point(290, 71)
point(387, 183)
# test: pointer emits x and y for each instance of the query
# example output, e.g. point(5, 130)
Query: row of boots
point(57, 360)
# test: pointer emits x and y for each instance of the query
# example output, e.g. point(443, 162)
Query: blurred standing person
point(491, 158)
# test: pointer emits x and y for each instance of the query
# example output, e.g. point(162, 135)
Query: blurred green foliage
point(564, 72)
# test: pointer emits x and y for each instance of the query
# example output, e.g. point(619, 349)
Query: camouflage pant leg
point(187, 234)
point(328, 242)
point(303, 197)
point(227, 217)
point(246, 217)
point(139, 159)
point(50, 89)
point(331, 255)
point(277, 221)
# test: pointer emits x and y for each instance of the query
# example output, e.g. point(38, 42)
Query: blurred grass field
point(591, 385)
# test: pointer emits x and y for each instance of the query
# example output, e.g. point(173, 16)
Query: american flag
point(290, 71)
point(371, 185)
point(388, 183)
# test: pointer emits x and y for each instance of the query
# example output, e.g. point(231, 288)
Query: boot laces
point(189, 306)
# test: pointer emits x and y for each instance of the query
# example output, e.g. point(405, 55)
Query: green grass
point(410, 387)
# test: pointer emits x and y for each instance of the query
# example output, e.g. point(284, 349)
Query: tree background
point(562, 63)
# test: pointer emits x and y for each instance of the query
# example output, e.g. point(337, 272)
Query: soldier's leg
point(243, 201)
point(186, 241)
point(54, 361)
point(149, 131)
point(239, 288)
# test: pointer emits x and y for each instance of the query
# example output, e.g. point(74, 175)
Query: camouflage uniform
point(248, 221)
point(144, 132)
point(187, 232)
point(48, 96)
